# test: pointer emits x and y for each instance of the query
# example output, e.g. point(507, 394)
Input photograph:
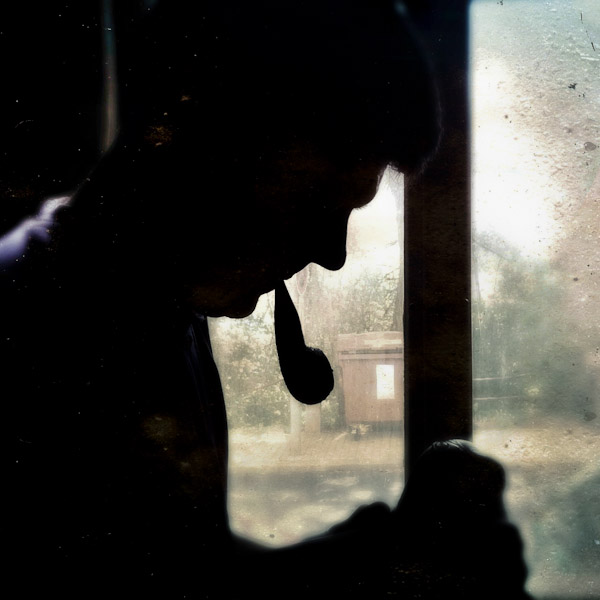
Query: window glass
point(296, 470)
point(535, 84)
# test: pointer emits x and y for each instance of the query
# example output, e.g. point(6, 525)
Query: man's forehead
point(329, 193)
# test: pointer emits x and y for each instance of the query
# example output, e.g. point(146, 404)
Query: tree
point(528, 358)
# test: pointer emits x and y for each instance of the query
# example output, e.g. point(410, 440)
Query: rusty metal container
point(372, 371)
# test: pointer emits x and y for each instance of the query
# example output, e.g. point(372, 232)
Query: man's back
point(114, 428)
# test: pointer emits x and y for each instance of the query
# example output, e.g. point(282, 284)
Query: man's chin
point(239, 312)
point(234, 301)
point(235, 309)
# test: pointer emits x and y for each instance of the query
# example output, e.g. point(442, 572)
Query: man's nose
point(330, 247)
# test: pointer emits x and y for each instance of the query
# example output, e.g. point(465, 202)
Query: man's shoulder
point(29, 283)
point(32, 231)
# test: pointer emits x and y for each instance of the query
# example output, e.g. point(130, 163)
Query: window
point(533, 79)
point(536, 247)
point(296, 470)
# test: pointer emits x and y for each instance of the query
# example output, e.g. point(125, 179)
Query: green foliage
point(247, 358)
point(529, 355)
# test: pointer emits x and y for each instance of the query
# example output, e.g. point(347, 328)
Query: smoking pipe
point(306, 371)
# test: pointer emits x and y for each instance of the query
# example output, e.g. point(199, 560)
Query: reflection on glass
point(296, 470)
point(536, 258)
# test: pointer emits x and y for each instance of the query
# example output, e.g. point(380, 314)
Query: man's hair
point(240, 78)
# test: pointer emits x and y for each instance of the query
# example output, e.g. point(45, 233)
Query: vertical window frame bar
point(437, 247)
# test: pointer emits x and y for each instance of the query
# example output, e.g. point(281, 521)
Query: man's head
point(268, 124)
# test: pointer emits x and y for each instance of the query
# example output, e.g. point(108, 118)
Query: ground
point(282, 490)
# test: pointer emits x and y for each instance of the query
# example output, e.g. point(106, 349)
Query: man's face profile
point(274, 140)
point(301, 205)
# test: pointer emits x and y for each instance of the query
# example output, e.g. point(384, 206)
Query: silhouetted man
point(249, 134)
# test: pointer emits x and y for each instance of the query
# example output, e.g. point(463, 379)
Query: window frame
point(437, 247)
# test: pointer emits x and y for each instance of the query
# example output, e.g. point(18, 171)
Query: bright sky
point(513, 190)
point(373, 229)
point(535, 101)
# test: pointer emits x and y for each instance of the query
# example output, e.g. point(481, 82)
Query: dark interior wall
point(51, 85)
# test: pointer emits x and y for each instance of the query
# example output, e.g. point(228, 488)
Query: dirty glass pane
point(536, 269)
point(296, 470)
